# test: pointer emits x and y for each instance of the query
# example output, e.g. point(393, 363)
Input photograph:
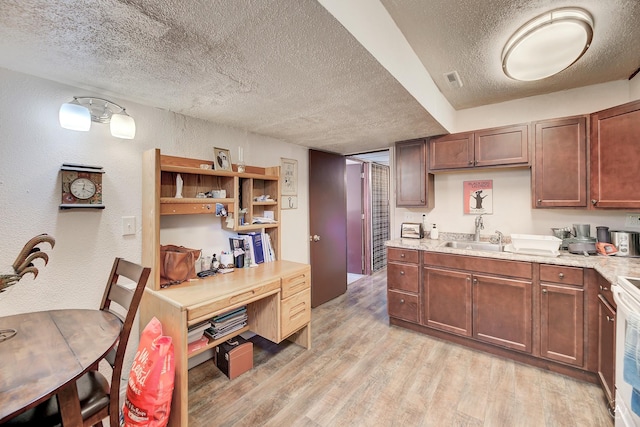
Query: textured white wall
point(512, 212)
point(33, 146)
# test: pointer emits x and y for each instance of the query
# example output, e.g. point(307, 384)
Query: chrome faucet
point(479, 226)
point(498, 238)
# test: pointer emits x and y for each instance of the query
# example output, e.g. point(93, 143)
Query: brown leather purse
point(177, 264)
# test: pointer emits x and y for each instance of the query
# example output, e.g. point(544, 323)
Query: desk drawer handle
point(297, 310)
point(561, 275)
point(401, 255)
point(402, 272)
point(244, 296)
point(401, 300)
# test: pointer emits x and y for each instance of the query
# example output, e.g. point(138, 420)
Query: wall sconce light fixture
point(79, 113)
point(547, 44)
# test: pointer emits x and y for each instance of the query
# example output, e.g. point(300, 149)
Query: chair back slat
point(129, 299)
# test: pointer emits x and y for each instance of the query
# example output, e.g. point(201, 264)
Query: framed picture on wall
point(221, 159)
point(289, 176)
point(478, 197)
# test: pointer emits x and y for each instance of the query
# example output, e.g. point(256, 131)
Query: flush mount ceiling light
point(79, 113)
point(547, 44)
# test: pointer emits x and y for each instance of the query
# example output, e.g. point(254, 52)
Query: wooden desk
point(49, 352)
point(278, 299)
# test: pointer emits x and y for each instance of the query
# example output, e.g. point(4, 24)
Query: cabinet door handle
point(603, 288)
point(402, 272)
point(610, 319)
point(544, 291)
point(401, 300)
point(594, 202)
point(539, 201)
point(561, 275)
point(475, 281)
point(401, 255)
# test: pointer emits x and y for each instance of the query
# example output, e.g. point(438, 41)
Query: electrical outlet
point(632, 220)
point(128, 225)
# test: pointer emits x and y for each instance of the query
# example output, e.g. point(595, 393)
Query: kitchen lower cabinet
point(502, 312)
point(562, 323)
point(403, 284)
point(447, 300)
point(606, 340)
point(614, 153)
point(562, 314)
point(607, 349)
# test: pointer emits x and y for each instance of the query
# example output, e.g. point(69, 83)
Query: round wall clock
point(81, 186)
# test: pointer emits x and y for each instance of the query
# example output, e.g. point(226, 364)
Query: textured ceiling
point(468, 36)
point(288, 69)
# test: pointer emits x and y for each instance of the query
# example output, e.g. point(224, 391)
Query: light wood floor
point(362, 372)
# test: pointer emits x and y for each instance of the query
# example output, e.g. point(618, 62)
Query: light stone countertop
point(610, 267)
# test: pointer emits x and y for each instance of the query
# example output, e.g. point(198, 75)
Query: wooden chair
point(98, 399)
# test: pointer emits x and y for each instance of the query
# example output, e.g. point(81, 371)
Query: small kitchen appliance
point(627, 242)
point(582, 243)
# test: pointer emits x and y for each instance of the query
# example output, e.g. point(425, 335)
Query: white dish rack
point(534, 244)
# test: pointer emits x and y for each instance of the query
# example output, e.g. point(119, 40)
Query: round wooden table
point(50, 350)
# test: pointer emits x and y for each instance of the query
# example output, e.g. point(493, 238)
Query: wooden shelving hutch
point(242, 189)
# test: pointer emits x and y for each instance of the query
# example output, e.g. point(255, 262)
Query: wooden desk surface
point(192, 294)
point(50, 349)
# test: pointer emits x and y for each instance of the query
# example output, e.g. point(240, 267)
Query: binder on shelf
point(255, 246)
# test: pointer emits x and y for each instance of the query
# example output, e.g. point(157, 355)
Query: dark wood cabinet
point(504, 146)
point(562, 323)
point(502, 312)
point(414, 185)
point(560, 163)
point(615, 152)
point(403, 284)
point(607, 349)
point(447, 300)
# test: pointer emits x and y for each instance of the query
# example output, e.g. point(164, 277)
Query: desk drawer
point(295, 283)
point(296, 312)
point(209, 309)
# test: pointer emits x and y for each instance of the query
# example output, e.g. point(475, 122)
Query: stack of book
point(196, 338)
point(258, 247)
point(227, 323)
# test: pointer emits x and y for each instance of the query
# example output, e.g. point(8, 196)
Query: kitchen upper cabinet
point(414, 186)
point(560, 166)
point(504, 146)
point(615, 153)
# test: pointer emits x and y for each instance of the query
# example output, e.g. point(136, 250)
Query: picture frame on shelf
point(222, 159)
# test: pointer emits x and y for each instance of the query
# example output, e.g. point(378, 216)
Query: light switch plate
point(128, 225)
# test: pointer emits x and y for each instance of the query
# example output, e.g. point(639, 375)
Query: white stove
point(626, 293)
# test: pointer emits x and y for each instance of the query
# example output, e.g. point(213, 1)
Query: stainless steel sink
point(473, 246)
